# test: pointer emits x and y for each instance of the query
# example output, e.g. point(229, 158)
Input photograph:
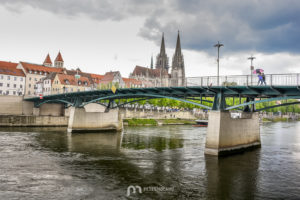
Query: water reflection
point(150, 142)
point(103, 165)
point(94, 143)
point(232, 177)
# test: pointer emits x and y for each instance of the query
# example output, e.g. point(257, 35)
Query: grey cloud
point(253, 25)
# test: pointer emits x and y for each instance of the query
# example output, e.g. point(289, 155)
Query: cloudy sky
point(104, 35)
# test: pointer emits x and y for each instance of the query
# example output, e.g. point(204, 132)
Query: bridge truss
point(195, 95)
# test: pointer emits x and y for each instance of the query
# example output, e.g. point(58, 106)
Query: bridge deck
point(230, 86)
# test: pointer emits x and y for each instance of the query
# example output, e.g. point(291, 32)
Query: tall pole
point(251, 66)
point(218, 60)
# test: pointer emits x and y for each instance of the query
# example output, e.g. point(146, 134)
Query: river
point(167, 162)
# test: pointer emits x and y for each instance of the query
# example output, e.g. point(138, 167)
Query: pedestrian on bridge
point(260, 79)
point(263, 79)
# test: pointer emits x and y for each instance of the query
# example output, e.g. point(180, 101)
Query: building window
point(15, 78)
point(45, 73)
point(35, 79)
point(35, 72)
point(30, 72)
point(8, 77)
point(30, 78)
point(7, 92)
point(14, 92)
point(29, 85)
point(15, 85)
point(7, 84)
point(2, 76)
point(1, 84)
point(21, 78)
point(29, 92)
point(41, 73)
point(21, 86)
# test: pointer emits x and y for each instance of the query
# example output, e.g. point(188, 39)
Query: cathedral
point(160, 76)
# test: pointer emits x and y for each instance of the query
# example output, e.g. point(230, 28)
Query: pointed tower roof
point(162, 46)
point(47, 60)
point(178, 46)
point(59, 57)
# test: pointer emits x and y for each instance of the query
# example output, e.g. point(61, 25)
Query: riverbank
point(279, 119)
point(156, 122)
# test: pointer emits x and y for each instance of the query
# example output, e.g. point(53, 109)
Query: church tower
point(47, 62)
point(178, 71)
point(59, 62)
point(162, 60)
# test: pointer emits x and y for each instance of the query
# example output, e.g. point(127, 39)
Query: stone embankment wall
point(22, 120)
point(16, 112)
point(155, 114)
point(14, 105)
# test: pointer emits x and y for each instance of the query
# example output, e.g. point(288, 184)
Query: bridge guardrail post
point(271, 80)
point(201, 81)
point(247, 80)
point(297, 79)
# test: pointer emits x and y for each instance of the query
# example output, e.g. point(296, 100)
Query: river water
point(167, 162)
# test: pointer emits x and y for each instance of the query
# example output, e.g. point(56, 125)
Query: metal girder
point(264, 100)
point(145, 95)
point(253, 89)
point(233, 90)
point(38, 104)
point(276, 90)
point(219, 102)
point(137, 100)
point(279, 105)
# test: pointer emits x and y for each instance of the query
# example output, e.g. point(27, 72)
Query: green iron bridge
point(278, 87)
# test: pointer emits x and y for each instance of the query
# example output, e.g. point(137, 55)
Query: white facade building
point(12, 80)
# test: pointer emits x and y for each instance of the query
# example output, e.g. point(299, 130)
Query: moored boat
point(201, 122)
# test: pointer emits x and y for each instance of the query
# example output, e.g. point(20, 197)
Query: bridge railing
point(245, 80)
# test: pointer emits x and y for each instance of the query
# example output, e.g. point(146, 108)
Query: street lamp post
point(218, 46)
point(251, 66)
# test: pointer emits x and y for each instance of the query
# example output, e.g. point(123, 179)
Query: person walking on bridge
point(263, 79)
point(260, 79)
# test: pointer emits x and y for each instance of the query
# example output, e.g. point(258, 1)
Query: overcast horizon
point(100, 36)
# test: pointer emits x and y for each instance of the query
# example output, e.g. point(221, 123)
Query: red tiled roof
point(72, 81)
point(59, 57)
point(97, 78)
point(10, 68)
point(109, 76)
point(48, 60)
point(40, 68)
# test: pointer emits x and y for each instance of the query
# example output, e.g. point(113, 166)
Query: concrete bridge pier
point(227, 135)
point(92, 118)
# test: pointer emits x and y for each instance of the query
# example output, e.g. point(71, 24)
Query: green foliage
point(177, 121)
point(137, 122)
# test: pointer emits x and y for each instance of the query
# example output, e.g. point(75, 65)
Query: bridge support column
point(82, 121)
point(226, 135)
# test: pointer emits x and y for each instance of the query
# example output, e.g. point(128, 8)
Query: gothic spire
point(178, 46)
point(162, 46)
